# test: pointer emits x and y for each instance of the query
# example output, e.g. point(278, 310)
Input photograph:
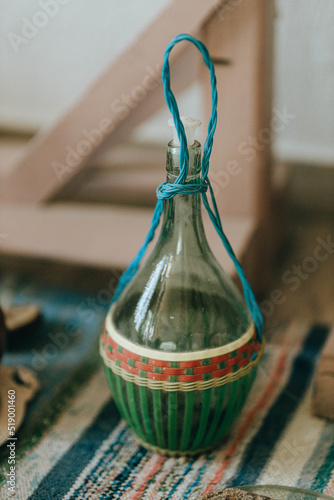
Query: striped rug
point(89, 453)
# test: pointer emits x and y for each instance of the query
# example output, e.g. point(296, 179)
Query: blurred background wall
point(52, 49)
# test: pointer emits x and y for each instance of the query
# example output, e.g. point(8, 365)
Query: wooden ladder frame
point(238, 34)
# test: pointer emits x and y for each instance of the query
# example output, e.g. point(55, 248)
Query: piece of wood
point(20, 316)
point(122, 97)
point(93, 235)
point(25, 384)
point(135, 188)
point(128, 175)
point(323, 395)
point(239, 39)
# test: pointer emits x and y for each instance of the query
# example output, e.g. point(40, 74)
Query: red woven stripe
point(110, 356)
point(158, 362)
point(157, 376)
point(246, 346)
point(222, 372)
point(190, 378)
point(141, 366)
point(165, 370)
point(206, 369)
point(119, 357)
point(190, 364)
point(234, 361)
point(213, 368)
point(221, 358)
point(131, 355)
point(111, 342)
point(130, 369)
point(244, 362)
point(165, 376)
point(173, 371)
point(122, 357)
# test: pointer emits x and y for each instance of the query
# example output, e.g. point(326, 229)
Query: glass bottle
point(181, 316)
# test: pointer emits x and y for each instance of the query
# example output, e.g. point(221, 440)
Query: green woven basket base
point(179, 423)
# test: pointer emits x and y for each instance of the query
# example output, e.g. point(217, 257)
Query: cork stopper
point(190, 125)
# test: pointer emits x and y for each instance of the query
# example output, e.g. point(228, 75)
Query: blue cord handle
point(168, 190)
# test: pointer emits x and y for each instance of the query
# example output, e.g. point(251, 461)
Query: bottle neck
point(183, 214)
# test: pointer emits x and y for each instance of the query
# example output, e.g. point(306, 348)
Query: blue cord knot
point(167, 190)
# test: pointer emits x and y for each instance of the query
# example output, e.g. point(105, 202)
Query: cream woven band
point(174, 356)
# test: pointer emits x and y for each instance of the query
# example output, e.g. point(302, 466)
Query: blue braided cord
point(169, 190)
point(173, 107)
point(248, 292)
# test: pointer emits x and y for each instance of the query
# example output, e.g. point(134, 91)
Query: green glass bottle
point(179, 340)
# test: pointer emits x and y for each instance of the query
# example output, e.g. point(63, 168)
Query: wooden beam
point(239, 39)
point(98, 235)
point(124, 95)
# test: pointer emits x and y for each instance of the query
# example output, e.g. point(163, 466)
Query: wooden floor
point(306, 284)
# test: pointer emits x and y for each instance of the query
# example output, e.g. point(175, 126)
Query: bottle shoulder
point(179, 303)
